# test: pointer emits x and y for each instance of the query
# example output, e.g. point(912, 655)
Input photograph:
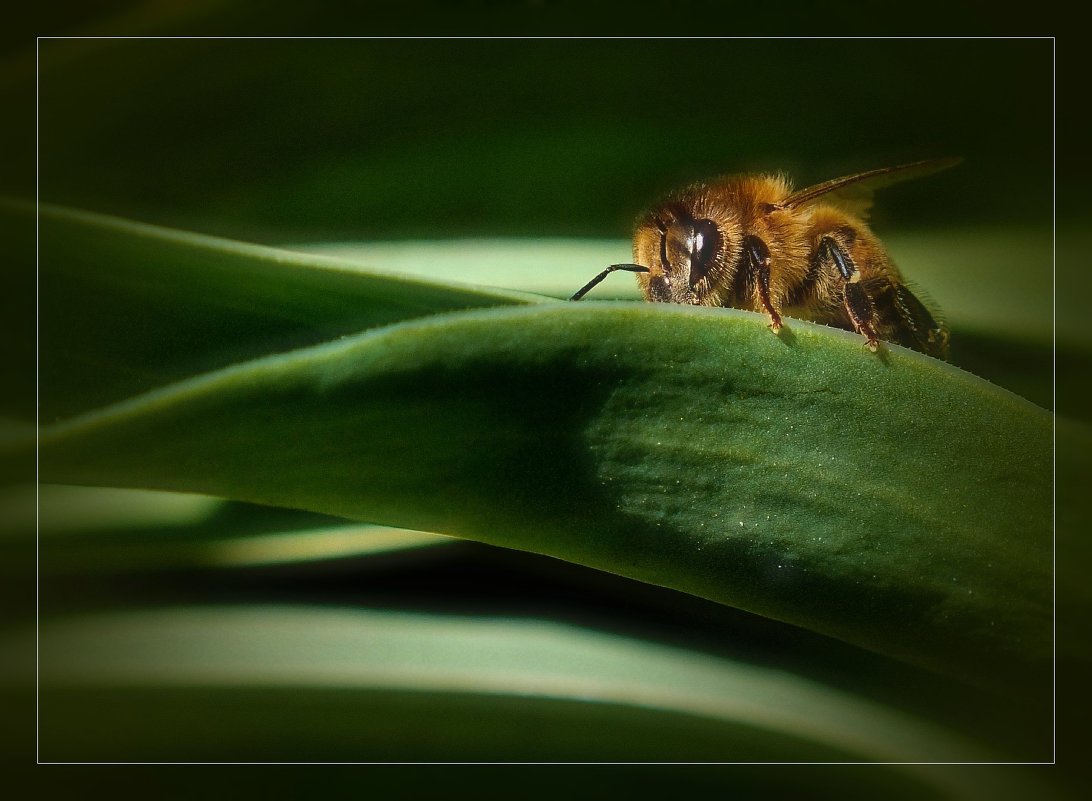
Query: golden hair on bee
point(750, 242)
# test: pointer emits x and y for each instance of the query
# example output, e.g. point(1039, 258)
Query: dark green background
point(275, 140)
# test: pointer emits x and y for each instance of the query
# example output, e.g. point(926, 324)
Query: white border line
point(1053, 39)
point(37, 405)
point(1054, 383)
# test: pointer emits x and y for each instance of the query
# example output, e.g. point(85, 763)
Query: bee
point(751, 242)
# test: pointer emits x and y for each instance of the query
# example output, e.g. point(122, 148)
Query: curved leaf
point(84, 530)
point(379, 668)
point(891, 500)
point(126, 307)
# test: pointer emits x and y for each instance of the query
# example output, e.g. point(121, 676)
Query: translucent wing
point(853, 193)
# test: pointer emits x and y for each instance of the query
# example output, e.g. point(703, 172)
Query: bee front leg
point(856, 301)
point(758, 262)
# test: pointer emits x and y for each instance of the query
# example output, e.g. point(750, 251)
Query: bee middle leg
point(758, 262)
point(856, 301)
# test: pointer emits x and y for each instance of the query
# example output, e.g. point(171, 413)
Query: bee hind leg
point(856, 301)
point(860, 312)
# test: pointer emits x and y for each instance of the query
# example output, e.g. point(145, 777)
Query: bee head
point(685, 253)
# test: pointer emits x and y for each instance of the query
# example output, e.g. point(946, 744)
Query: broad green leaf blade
point(126, 307)
point(475, 677)
point(889, 500)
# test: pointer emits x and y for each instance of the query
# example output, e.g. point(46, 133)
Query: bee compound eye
point(705, 243)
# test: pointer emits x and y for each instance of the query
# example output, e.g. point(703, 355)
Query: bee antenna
point(632, 268)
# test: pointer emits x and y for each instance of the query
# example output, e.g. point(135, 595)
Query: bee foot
point(873, 345)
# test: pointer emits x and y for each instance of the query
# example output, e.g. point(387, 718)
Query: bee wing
point(853, 193)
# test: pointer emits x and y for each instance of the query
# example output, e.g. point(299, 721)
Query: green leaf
point(889, 500)
point(308, 683)
point(84, 530)
point(126, 307)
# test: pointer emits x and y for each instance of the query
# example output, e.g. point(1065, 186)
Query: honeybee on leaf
point(751, 242)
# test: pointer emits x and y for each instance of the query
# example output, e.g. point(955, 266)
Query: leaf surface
point(362, 678)
point(892, 501)
point(126, 307)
